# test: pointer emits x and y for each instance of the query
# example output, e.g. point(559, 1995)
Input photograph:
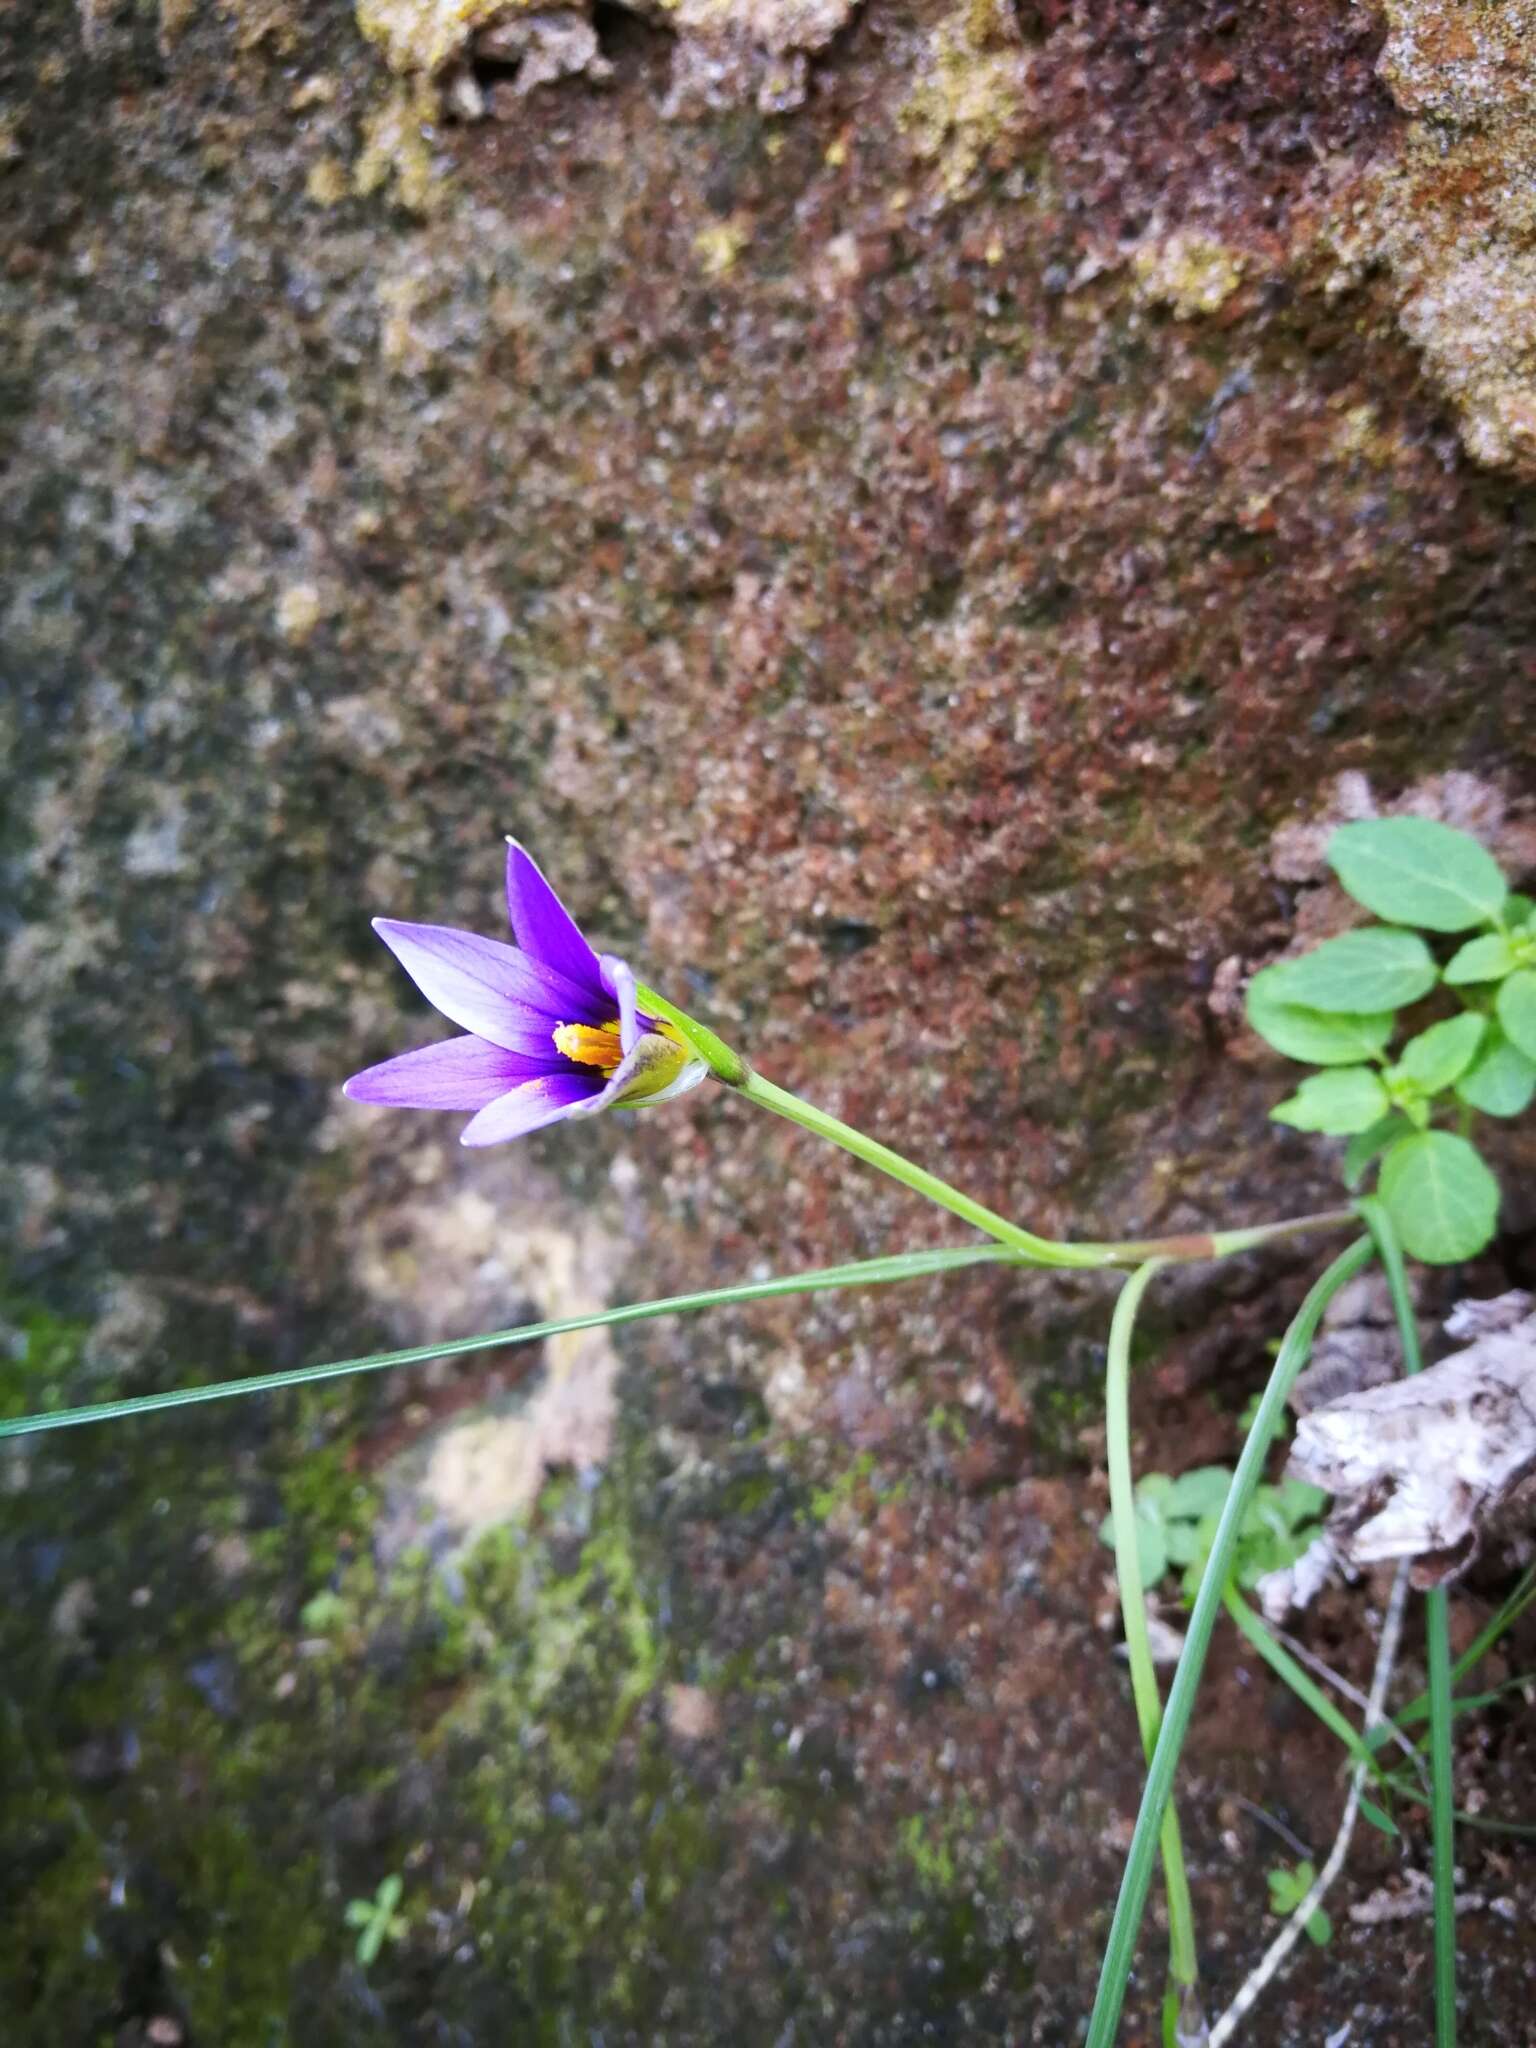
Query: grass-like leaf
point(864, 1273)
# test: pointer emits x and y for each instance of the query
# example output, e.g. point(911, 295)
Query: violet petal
point(529, 1107)
point(620, 982)
point(463, 1073)
point(541, 924)
point(491, 989)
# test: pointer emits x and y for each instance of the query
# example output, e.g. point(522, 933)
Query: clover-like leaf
point(1297, 1501)
point(1151, 1536)
point(1339, 1102)
point(1416, 871)
point(1488, 957)
point(1442, 1199)
point(1359, 972)
point(1442, 1054)
point(1196, 1493)
point(1319, 1038)
point(1183, 1542)
point(1503, 1080)
point(1517, 1010)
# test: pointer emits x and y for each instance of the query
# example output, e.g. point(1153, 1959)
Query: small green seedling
point(1250, 1414)
point(1340, 1008)
point(1287, 1889)
point(376, 1920)
point(1176, 1521)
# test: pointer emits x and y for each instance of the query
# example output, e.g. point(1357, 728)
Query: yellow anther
point(591, 1045)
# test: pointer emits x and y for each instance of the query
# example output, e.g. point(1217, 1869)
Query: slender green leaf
point(1359, 972)
point(1415, 871)
point(1442, 1054)
point(865, 1273)
point(1488, 957)
point(1339, 1102)
point(1517, 1010)
point(1311, 1035)
point(1503, 1080)
point(1183, 1958)
point(1120, 1949)
point(1437, 1638)
point(1377, 1817)
point(1443, 1201)
point(1369, 1145)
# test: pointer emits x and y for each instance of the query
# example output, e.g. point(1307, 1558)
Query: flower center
point(591, 1045)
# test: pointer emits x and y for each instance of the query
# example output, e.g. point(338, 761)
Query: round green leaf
point(1359, 972)
point(1517, 1011)
point(1368, 1145)
point(1343, 1101)
point(1151, 1543)
point(1151, 1551)
point(1300, 1501)
point(1441, 1197)
point(1183, 1542)
point(1322, 1040)
point(1198, 1493)
point(1442, 1054)
point(1414, 871)
point(1487, 958)
point(1503, 1081)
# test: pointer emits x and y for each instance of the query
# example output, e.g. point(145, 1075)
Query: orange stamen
point(591, 1045)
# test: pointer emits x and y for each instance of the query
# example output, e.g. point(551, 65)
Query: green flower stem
point(1183, 1957)
point(864, 1273)
point(1033, 1250)
point(1437, 1630)
point(1285, 1666)
point(723, 1063)
point(1120, 1951)
point(1039, 1251)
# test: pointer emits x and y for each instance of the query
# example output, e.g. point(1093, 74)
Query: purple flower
point(554, 1029)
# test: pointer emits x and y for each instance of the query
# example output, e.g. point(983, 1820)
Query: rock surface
point(897, 510)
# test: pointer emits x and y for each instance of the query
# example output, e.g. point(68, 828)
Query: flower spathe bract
point(555, 1029)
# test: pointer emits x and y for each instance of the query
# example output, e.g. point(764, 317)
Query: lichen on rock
point(426, 35)
point(727, 52)
point(970, 92)
point(1454, 212)
point(1190, 273)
